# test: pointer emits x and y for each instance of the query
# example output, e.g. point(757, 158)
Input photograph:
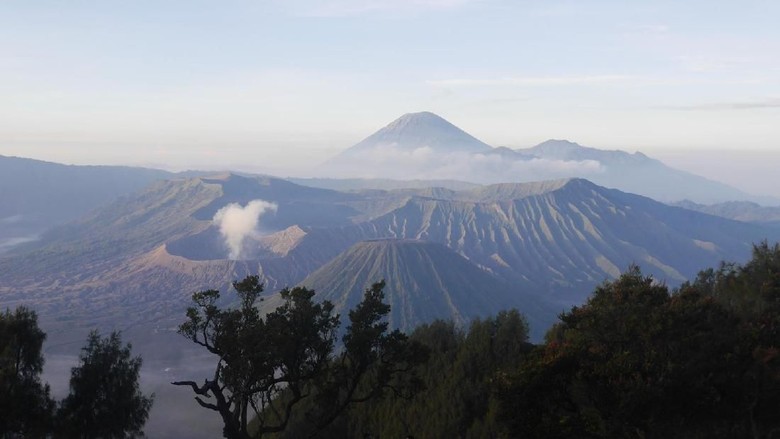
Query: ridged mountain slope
point(36, 195)
point(559, 238)
point(424, 281)
point(142, 257)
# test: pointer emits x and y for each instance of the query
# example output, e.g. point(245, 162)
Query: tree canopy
point(105, 400)
point(638, 361)
point(456, 397)
point(267, 365)
point(26, 408)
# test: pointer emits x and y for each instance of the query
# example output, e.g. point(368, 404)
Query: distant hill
point(424, 281)
point(637, 173)
point(423, 146)
point(738, 210)
point(36, 195)
point(358, 184)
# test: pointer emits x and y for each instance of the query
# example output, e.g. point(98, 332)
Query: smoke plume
point(237, 223)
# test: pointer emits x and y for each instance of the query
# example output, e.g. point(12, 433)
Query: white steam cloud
point(237, 223)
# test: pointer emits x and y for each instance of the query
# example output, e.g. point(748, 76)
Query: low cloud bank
point(485, 168)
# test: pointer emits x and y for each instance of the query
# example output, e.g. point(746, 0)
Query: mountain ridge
point(424, 281)
point(442, 151)
point(144, 255)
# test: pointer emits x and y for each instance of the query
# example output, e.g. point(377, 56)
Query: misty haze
point(430, 219)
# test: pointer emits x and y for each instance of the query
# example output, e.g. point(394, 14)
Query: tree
point(105, 400)
point(25, 406)
point(456, 399)
point(752, 291)
point(637, 361)
point(267, 365)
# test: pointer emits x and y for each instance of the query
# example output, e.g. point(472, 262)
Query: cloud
point(567, 81)
point(710, 64)
point(652, 28)
point(745, 105)
point(533, 81)
point(389, 161)
point(8, 243)
point(237, 223)
point(347, 8)
point(14, 219)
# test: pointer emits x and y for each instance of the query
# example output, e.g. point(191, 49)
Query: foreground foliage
point(637, 361)
point(267, 365)
point(456, 399)
point(104, 399)
point(26, 409)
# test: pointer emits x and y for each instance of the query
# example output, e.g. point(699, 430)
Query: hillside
point(738, 210)
point(37, 195)
point(117, 258)
point(559, 238)
point(424, 281)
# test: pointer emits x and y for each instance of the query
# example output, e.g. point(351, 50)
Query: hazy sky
point(274, 82)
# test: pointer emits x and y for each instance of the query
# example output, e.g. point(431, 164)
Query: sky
point(280, 85)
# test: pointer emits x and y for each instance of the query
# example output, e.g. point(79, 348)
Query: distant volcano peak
point(558, 144)
point(422, 117)
point(421, 130)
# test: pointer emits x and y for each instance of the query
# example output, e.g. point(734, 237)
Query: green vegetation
point(26, 409)
point(268, 365)
point(456, 397)
point(104, 399)
point(637, 361)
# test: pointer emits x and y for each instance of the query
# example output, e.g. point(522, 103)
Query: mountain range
point(130, 244)
point(457, 229)
point(425, 146)
point(417, 150)
point(539, 247)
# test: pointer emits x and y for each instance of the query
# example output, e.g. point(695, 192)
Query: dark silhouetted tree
point(637, 361)
point(267, 365)
point(456, 399)
point(105, 400)
point(25, 406)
